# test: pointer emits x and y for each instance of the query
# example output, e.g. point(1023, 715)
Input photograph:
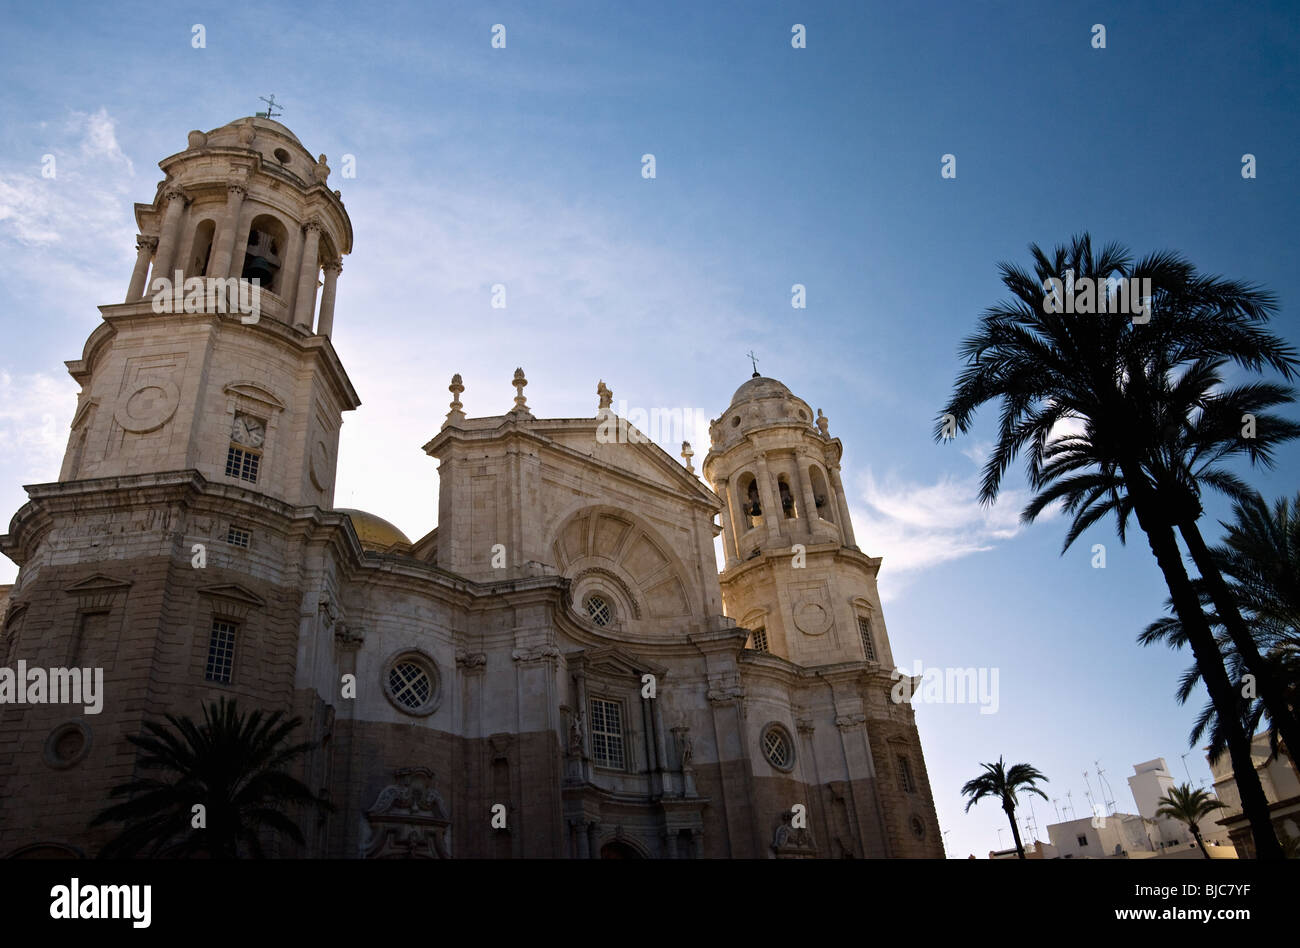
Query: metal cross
point(270, 107)
point(752, 360)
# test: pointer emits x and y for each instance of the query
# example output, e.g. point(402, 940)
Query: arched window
point(787, 497)
point(263, 256)
point(750, 506)
point(201, 249)
point(821, 496)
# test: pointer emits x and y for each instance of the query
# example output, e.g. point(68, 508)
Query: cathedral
point(557, 670)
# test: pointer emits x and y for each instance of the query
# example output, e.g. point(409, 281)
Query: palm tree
point(1112, 381)
point(231, 764)
point(1261, 560)
point(1002, 783)
point(1205, 427)
point(1190, 807)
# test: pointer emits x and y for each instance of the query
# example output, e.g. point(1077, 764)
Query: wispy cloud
point(917, 526)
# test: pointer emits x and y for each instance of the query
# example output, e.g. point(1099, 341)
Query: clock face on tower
point(248, 431)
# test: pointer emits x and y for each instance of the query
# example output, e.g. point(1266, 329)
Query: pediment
point(622, 447)
point(255, 391)
point(615, 662)
point(99, 583)
point(233, 593)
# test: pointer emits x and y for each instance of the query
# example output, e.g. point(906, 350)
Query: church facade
point(559, 669)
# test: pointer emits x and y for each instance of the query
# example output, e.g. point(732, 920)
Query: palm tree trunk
point(1270, 690)
point(1164, 544)
point(1015, 832)
point(1196, 834)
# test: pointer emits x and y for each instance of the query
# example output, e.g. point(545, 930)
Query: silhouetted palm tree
point(1116, 384)
point(1261, 562)
point(1190, 806)
point(1003, 783)
point(232, 764)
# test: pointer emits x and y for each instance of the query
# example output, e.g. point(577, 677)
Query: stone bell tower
point(196, 369)
point(794, 574)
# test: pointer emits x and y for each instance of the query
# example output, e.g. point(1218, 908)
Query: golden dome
point(375, 533)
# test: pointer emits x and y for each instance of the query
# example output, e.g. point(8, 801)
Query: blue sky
point(775, 166)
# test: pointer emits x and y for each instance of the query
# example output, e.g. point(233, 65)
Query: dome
point(375, 533)
point(759, 387)
point(259, 122)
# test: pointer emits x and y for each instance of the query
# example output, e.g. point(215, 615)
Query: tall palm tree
point(1004, 783)
point(232, 764)
point(1260, 559)
point(1102, 374)
point(1204, 422)
point(1190, 807)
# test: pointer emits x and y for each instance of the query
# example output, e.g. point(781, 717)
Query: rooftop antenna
point(1069, 803)
point(1056, 800)
point(271, 106)
point(1104, 783)
point(1186, 771)
point(1088, 794)
point(754, 362)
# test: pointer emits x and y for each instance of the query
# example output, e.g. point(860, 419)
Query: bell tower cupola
point(794, 574)
point(219, 359)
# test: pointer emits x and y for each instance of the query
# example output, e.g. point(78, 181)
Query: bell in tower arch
point(262, 257)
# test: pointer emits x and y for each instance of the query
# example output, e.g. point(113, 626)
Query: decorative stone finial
point(455, 415)
point(606, 396)
point(246, 132)
point(823, 423)
point(322, 169)
point(687, 454)
point(521, 404)
point(197, 139)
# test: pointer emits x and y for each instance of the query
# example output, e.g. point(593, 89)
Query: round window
point(282, 156)
point(599, 610)
point(735, 421)
point(778, 748)
point(67, 744)
point(411, 683)
point(918, 828)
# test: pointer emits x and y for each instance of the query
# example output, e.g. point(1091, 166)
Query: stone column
point(771, 505)
point(144, 250)
point(584, 840)
point(325, 323)
point(170, 234)
point(842, 505)
point(220, 264)
point(305, 306)
point(730, 548)
point(805, 488)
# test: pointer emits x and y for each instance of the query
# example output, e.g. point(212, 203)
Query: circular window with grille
point(778, 748)
point(599, 610)
point(411, 683)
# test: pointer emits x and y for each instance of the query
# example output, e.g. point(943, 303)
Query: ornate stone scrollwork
point(791, 843)
point(409, 819)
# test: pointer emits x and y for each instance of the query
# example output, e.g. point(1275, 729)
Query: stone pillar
point(170, 234)
point(593, 833)
point(584, 840)
point(220, 264)
point(305, 305)
point(842, 505)
point(144, 251)
point(730, 546)
point(805, 488)
point(325, 323)
point(769, 499)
